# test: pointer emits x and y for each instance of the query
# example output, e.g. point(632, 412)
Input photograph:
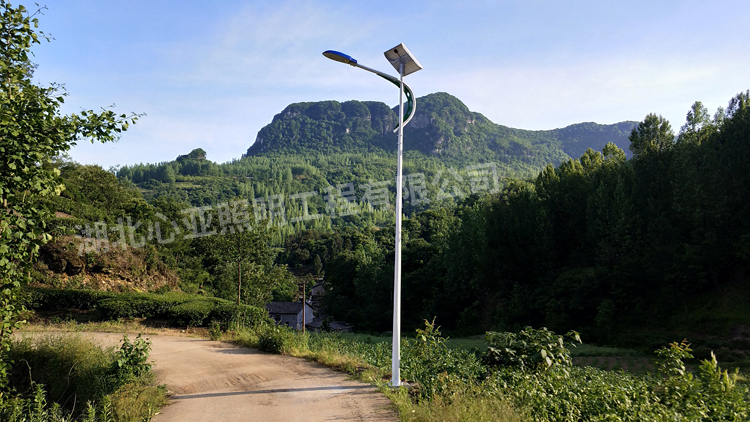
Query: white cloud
point(545, 97)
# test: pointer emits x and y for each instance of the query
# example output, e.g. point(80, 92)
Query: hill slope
point(311, 146)
point(443, 127)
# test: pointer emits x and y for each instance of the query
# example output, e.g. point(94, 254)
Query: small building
point(289, 313)
point(317, 325)
point(317, 295)
point(318, 290)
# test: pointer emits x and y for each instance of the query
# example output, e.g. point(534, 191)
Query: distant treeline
point(595, 244)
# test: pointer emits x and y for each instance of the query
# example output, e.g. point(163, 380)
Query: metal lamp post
point(405, 63)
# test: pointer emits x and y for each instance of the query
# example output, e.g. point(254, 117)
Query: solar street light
point(405, 63)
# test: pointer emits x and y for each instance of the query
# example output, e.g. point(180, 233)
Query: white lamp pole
point(403, 61)
point(396, 349)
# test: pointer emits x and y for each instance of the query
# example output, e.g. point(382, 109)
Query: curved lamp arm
point(411, 102)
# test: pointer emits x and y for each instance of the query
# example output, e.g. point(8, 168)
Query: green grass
point(478, 342)
point(615, 384)
point(466, 343)
point(61, 373)
point(366, 358)
point(582, 350)
point(620, 379)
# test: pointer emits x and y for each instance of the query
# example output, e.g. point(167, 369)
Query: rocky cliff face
point(442, 126)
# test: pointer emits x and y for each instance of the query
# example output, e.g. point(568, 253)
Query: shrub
point(531, 349)
point(124, 307)
point(244, 316)
point(714, 394)
point(59, 299)
point(275, 339)
point(132, 358)
point(180, 308)
point(116, 384)
point(193, 313)
point(214, 330)
point(428, 361)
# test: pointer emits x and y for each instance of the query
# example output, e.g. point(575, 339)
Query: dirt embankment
point(67, 262)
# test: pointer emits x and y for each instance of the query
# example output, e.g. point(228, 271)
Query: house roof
point(340, 325)
point(284, 307)
point(316, 323)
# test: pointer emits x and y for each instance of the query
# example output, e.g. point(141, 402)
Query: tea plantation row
point(174, 308)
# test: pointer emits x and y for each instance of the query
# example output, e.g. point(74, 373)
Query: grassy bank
point(524, 376)
point(63, 377)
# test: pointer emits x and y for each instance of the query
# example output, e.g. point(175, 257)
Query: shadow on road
point(278, 390)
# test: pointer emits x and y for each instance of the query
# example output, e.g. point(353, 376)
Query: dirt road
point(215, 381)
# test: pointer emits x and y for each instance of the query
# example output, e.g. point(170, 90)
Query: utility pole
point(304, 302)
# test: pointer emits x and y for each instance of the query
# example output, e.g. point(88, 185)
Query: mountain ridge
point(442, 127)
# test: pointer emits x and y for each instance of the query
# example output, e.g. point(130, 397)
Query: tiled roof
point(284, 307)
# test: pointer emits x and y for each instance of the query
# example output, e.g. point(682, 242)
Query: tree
point(32, 133)
point(697, 124)
point(245, 256)
point(238, 248)
point(653, 134)
point(318, 265)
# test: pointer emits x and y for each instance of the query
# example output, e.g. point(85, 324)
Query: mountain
point(443, 127)
point(309, 147)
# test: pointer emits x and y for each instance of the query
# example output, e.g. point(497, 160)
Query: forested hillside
point(443, 127)
point(315, 147)
point(600, 243)
point(621, 250)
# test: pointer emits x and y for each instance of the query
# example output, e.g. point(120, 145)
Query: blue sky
point(211, 74)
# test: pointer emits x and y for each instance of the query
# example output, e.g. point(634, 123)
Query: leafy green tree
point(32, 133)
point(697, 125)
point(318, 265)
point(92, 193)
point(243, 263)
point(653, 134)
point(248, 249)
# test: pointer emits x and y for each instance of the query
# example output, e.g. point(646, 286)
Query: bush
point(179, 308)
point(142, 305)
point(116, 384)
point(275, 339)
point(714, 394)
point(428, 361)
point(214, 330)
point(132, 358)
point(531, 349)
point(60, 300)
point(228, 313)
point(128, 307)
point(194, 313)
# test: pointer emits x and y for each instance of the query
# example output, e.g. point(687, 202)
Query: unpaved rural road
point(215, 381)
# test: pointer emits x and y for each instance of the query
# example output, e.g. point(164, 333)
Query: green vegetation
point(448, 384)
point(88, 383)
point(33, 133)
point(234, 261)
point(443, 128)
point(314, 147)
point(173, 308)
point(627, 252)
